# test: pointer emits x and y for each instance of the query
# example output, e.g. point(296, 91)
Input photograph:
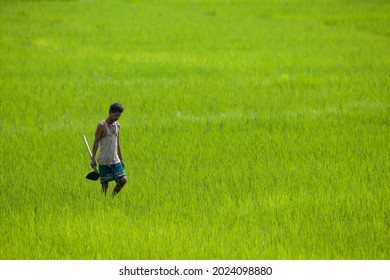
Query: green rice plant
point(251, 130)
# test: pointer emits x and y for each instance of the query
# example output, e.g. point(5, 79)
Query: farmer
point(110, 157)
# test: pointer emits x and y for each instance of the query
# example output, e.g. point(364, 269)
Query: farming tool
point(94, 175)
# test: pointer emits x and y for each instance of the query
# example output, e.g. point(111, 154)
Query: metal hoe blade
point(94, 175)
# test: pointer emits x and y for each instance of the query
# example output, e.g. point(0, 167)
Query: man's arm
point(98, 135)
point(119, 152)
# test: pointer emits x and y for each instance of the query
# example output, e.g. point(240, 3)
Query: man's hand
point(93, 163)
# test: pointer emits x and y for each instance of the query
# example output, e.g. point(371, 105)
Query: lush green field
point(254, 129)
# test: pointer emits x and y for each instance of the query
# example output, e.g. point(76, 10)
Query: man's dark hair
point(116, 107)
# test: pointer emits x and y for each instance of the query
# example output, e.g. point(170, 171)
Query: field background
point(251, 130)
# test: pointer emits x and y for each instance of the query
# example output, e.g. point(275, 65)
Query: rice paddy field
point(253, 129)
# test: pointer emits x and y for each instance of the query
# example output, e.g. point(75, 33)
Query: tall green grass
point(251, 130)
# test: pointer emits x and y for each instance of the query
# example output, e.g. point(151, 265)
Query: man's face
point(115, 116)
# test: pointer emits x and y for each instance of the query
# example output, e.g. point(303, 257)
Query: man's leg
point(104, 178)
point(104, 188)
point(120, 184)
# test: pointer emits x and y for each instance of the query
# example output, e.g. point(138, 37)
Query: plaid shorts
point(110, 173)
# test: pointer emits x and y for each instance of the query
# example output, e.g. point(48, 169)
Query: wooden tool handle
point(86, 145)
